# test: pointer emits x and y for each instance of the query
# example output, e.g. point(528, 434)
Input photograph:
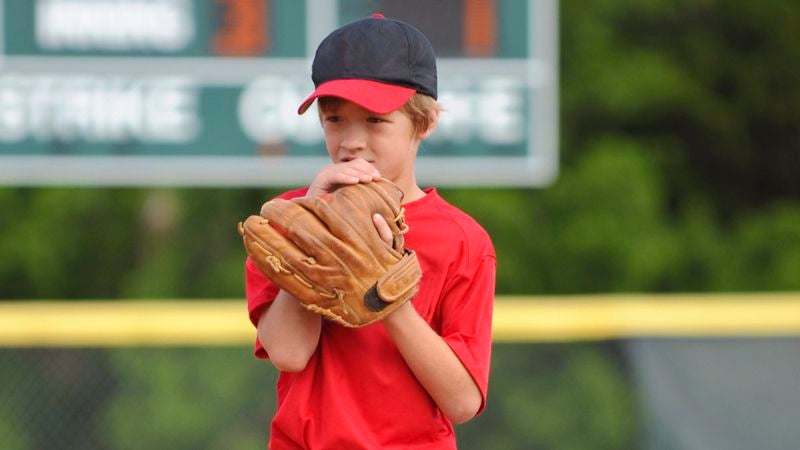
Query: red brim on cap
point(380, 98)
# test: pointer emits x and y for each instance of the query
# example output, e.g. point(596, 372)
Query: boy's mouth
point(350, 158)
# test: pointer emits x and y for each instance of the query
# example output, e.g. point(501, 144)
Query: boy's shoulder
point(456, 214)
point(451, 221)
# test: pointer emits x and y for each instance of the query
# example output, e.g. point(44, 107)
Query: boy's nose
point(353, 140)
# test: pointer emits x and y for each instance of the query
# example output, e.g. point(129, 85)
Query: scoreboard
point(205, 92)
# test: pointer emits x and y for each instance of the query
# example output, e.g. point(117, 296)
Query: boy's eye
point(374, 119)
point(333, 119)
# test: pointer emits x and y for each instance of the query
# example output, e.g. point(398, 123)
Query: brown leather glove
point(327, 253)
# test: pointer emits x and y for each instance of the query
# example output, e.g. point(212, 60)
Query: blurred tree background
point(680, 155)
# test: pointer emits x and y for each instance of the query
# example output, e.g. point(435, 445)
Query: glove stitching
point(277, 266)
point(337, 293)
point(344, 219)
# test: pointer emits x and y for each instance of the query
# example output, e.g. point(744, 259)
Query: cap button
point(377, 16)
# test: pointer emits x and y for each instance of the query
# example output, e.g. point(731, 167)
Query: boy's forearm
point(289, 333)
point(434, 364)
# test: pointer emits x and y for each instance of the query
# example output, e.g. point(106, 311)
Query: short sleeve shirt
point(356, 391)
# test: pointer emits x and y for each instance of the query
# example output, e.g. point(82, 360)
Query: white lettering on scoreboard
point(268, 112)
point(490, 110)
point(160, 25)
point(99, 109)
point(96, 109)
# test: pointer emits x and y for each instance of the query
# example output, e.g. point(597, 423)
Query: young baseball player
point(403, 382)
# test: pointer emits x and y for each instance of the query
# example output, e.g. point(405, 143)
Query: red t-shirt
point(357, 391)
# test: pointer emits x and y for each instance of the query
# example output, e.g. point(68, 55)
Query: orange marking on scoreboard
point(243, 27)
point(480, 27)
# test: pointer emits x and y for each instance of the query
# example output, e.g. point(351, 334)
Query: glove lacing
point(400, 221)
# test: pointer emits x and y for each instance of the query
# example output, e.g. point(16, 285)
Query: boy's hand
point(355, 171)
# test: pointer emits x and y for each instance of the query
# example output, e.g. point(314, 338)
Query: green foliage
point(600, 228)
point(767, 254)
point(11, 430)
point(65, 242)
point(716, 80)
point(189, 244)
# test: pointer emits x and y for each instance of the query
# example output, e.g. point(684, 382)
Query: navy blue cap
point(377, 63)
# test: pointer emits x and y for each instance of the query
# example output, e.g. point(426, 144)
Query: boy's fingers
point(383, 228)
point(348, 178)
point(363, 166)
point(363, 174)
point(352, 172)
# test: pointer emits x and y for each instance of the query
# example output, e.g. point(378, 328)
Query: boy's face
point(388, 141)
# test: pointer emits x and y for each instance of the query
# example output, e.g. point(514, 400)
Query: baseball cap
point(376, 63)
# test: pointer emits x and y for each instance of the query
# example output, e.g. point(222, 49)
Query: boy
point(400, 383)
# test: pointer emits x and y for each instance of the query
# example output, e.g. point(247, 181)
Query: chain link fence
point(124, 398)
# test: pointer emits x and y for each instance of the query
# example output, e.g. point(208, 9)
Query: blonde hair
point(420, 108)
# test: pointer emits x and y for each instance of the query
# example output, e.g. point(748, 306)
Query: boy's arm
point(429, 357)
point(289, 333)
point(434, 364)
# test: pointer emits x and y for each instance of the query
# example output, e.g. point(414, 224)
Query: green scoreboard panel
point(205, 92)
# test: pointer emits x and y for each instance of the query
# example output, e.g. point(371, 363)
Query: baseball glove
point(327, 253)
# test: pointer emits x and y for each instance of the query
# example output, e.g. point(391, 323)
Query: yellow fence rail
point(516, 319)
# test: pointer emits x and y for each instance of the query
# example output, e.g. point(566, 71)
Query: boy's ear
point(434, 121)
